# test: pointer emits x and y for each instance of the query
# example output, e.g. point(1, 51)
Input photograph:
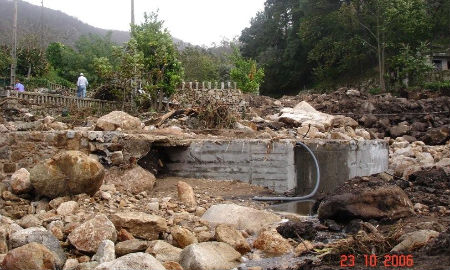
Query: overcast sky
point(199, 22)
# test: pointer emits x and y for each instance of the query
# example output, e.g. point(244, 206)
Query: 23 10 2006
point(372, 260)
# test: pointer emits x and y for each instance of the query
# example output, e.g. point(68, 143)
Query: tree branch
point(367, 28)
point(368, 43)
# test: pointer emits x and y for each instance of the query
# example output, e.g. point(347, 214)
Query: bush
point(35, 82)
point(439, 86)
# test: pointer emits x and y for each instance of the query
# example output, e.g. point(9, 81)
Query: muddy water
point(304, 208)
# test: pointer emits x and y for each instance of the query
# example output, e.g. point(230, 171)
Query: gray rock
point(40, 236)
point(209, 256)
point(141, 261)
point(164, 251)
point(241, 217)
point(105, 252)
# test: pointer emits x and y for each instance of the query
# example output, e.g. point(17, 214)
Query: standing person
point(19, 87)
point(82, 83)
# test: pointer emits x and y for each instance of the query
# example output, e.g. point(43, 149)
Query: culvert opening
point(159, 157)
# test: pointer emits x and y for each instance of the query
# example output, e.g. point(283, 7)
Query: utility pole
point(132, 12)
point(14, 47)
point(42, 26)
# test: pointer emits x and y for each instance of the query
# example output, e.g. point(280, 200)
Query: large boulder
point(134, 180)
point(414, 240)
point(67, 173)
point(140, 260)
point(30, 256)
point(305, 114)
point(88, 236)
point(228, 234)
point(140, 224)
point(20, 182)
point(209, 256)
point(399, 130)
point(437, 136)
point(163, 251)
point(388, 202)
point(271, 242)
point(118, 119)
point(241, 217)
point(40, 236)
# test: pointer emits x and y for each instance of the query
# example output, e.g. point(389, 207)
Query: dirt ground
point(227, 190)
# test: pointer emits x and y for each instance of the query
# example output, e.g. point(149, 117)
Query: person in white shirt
point(82, 84)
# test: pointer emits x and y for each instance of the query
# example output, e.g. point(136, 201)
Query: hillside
point(58, 26)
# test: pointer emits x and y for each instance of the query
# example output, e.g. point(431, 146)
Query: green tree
point(389, 25)
point(162, 70)
point(31, 60)
point(65, 61)
point(5, 61)
point(199, 64)
point(246, 73)
point(273, 42)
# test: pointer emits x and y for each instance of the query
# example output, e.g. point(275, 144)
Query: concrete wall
point(280, 166)
point(338, 162)
point(258, 162)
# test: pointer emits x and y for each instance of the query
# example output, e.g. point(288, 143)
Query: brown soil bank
point(428, 191)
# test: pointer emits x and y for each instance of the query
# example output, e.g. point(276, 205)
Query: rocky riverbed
point(78, 210)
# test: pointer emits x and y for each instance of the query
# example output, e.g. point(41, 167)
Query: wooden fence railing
point(55, 86)
point(60, 100)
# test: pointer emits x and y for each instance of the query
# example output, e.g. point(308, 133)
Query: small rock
point(134, 180)
point(124, 235)
point(105, 252)
point(67, 208)
point(56, 228)
point(20, 182)
point(29, 221)
point(71, 264)
point(88, 236)
point(163, 251)
point(30, 256)
point(182, 236)
point(231, 236)
point(303, 247)
point(272, 243)
point(186, 194)
point(130, 246)
point(140, 224)
point(116, 158)
point(172, 266)
point(153, 206)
